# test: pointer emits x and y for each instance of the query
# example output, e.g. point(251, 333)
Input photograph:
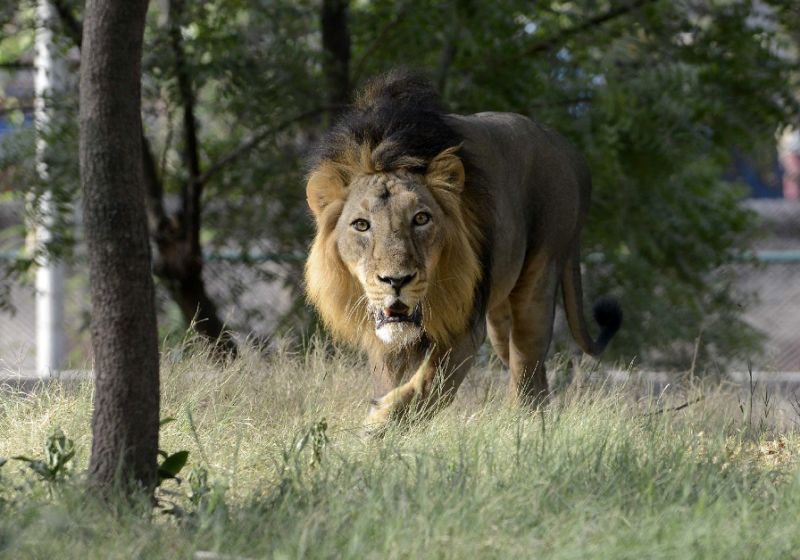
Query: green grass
point(598, 473)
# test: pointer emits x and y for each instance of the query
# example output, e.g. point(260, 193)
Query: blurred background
point(686, 109)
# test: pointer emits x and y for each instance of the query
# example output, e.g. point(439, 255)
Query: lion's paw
point(386, 410)
point(379, 416)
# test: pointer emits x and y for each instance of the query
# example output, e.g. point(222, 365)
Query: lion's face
point(390, 237)
point(396, 253)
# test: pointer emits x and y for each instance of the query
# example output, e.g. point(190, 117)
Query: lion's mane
point(397, 123)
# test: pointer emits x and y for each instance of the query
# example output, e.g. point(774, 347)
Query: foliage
point(317, 437)
point(18, 172)
point(171, 463)
point(58, 453)
point(658, 95)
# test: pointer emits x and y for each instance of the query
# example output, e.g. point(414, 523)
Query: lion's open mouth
point(398, 312)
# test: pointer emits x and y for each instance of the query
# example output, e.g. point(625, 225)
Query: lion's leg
point(532, 312)
point(432, 387)
point(388, 371)
point(499, 326)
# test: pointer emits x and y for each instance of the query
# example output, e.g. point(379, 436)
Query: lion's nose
point(397, 282)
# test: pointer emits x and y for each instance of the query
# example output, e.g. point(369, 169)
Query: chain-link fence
point(255, 298)
point(775, 281)
point(257, 295)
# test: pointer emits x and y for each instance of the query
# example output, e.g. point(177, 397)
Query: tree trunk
point(184, 279)
point(181, 272)
point(336, 52)
point(179, 262)
point(124, 338)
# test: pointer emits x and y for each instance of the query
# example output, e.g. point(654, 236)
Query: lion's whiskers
point(351, 310)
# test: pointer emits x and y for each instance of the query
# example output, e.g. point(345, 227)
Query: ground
point(280, 468)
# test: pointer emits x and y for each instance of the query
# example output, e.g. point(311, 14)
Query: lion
point(434, 228)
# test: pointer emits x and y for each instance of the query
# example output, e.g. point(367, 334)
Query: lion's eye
point(360, 224)
point(421, 218)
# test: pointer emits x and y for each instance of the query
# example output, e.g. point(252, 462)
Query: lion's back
point(538, 183)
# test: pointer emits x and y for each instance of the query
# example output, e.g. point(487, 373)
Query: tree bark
point(336, 52)
point(180, 258)
point(124, 338)
point(179, 262)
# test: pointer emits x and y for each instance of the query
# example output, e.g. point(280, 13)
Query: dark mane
point(399, 111)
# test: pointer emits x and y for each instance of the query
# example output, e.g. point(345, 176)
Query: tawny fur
point(510, 198)
point(337, 294)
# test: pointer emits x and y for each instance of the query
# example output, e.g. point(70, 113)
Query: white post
point(49, 274)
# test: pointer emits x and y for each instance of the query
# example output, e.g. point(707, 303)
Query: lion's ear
point(446, 171)
point(324, 186)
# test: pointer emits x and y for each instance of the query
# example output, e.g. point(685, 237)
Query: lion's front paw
point(379, 416)
point(383, 411)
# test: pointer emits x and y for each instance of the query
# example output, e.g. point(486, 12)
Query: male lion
point(430, 226)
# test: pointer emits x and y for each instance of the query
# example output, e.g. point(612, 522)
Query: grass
point(601, 472)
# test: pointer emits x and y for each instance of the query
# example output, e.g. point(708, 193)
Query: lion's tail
point(607, 311)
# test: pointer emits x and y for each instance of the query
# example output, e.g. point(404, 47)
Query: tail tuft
point(608, 314)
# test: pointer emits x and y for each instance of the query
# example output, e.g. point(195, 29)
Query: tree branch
point(334, 16)
point(193, 189)
point(550, 43)
point(154, 189)
point(379, 39)
point(449, 50)
point(16, 65)
point(258, 137)
point(72, 25)
point(179, 262)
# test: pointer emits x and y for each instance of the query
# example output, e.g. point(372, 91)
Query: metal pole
point(49, 274)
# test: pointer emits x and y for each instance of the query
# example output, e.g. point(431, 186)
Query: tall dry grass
point(606, 471)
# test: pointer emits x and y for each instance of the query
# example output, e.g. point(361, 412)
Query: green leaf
point(172, 465)
point(165, 421)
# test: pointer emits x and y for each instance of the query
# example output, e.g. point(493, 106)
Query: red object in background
point(791, 176)
point(790, 161)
